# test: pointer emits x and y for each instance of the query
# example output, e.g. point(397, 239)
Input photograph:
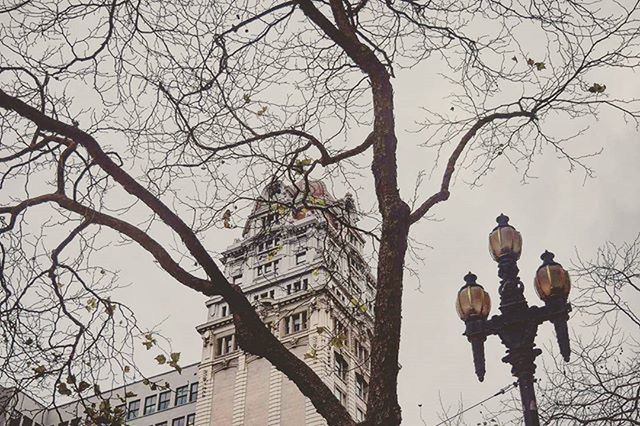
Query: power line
point(502, 391)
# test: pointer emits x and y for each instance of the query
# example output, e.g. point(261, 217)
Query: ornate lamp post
point(518, 322)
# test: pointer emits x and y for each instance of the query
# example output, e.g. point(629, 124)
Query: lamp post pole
point(517, 324)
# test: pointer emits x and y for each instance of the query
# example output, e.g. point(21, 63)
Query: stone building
point(301, 265)
point(303, 269)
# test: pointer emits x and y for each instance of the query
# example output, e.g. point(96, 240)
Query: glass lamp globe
point(504, 240)
point(472, 300)
point(551, 278)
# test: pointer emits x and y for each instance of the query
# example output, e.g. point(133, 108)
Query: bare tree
point(601, 386)
point(156, 118)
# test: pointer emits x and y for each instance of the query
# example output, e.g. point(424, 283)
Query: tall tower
point(303, 269)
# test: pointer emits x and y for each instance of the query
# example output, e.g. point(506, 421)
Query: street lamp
point(518, 322)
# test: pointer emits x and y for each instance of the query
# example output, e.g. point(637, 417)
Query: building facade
point(171, 403)
point(303, 269)
point(301, 265)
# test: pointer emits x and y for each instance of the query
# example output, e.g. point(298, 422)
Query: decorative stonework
point(275, 393)
point(240, 392)
point(267, 264)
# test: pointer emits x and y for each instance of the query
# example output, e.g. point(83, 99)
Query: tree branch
point(252, 333)
point(443, 193)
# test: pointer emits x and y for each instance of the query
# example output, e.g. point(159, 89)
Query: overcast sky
point(556, 210)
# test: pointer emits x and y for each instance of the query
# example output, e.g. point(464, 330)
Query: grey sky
point(559, 211)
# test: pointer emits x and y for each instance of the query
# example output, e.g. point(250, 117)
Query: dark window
point(120, 410)
point(226, 345)
point(193, 392)
point(15, 421)
point(341, 366)
point(362, 387)
point(303, 284)
point(268, 268)
point(178, 422)
point(191, 419)
point(164, 400)
point(161, 424)
point(361, 352)
point(74, 422)
point(270, 219)
point(134, 409)
point(341, 395)
point(296, 322)
point(150, 404)
point(268, 244)
point(182, 395)
point(340, 330)
point(26, 421)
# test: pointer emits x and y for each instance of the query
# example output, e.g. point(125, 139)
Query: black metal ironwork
point(517, 326)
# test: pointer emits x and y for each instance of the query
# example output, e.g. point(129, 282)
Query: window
point(340, 331)
point(361, 352)
point(237, 279)
point(134, 409)
point(182, 395)
point(359, 415)
point(120, 410)
point(295, 323)
point(193, 393)
point(295, 287)
point(74, 422)
point(269, 219)
point(301, 257)
point(268, 268)
point(27, 421)
point(178, 422)
point(161, 424)
point(164, 400)
point(226, 344)
point(341, 367)
point(341, 395)
point(191, 419)
point(150, 404)
point(268, 244)
point(362, 387)
point(224, 311)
